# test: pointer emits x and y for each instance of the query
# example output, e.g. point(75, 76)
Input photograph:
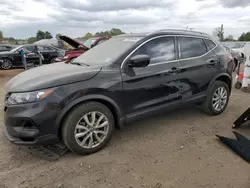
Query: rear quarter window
point(210, 44)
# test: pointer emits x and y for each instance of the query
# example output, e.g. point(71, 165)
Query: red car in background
point(79, 47)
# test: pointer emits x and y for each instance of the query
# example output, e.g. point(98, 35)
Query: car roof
point(167, 32)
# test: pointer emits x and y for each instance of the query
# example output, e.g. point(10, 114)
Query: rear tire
point(88, 128)
point(217, 99)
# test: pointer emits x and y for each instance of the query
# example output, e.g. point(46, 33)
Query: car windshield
point(236, 45)
point(89, 42)
point(108, 51)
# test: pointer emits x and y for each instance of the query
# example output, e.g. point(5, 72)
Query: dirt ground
point(175, 150)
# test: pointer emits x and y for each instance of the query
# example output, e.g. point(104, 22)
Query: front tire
point(217, 99)
point(52, 60)
point(6, 64)
point(88, 128)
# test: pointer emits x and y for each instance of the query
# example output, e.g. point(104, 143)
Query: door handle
point(174, 70)
point(212, 62)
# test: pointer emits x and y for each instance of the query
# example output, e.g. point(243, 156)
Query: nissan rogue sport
point(128, 77)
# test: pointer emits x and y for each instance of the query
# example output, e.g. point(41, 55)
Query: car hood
point(72, 42)
point(5, 53)
point(52, 75)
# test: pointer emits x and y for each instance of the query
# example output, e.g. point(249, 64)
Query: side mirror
point(92, 45)
point(139, 61)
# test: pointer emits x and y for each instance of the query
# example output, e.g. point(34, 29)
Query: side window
point(29, 48)
point(159, 50)
point(41, 48)
point(48, 48)
point(51, 49)
point(191, 47)
point(210, 44)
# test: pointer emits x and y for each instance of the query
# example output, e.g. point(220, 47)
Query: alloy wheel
point(6, 64)
point(220, 98)
point(91, 130)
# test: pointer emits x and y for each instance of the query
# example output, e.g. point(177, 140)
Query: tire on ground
point(70, 122)
point(207, 105)
point(10, 61)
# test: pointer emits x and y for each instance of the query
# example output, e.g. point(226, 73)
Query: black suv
point(128, 77)
point(12, 58)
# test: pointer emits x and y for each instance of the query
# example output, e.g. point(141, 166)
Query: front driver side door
point(156, 86)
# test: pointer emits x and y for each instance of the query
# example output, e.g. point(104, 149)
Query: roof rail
point(180, 30)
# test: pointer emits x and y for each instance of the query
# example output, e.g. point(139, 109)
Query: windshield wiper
point(79, 64)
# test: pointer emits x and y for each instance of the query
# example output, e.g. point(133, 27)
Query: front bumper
point(31, 124)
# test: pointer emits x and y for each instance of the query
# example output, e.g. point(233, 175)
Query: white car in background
point(237, 49)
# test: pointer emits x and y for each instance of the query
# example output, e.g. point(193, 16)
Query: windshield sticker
point(131, 39)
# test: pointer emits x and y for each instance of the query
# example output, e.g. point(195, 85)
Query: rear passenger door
point(199, 65)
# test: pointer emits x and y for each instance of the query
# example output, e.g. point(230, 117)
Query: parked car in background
point(12, 58)
point(6, 47)
point(90, 43)
point(237, 50)
point(128, 77)
point(79, 47)
point(51, 42)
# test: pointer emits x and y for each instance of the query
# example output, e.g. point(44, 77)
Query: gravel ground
point(174, 150)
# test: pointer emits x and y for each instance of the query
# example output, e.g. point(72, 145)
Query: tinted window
point(191, 47)
point(44, 48)
point(3, 48)
point(40, 48)
point(29, 48)
point(210, 44)
point(159, 50)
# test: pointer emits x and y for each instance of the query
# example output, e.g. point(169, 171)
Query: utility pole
point(221, 33)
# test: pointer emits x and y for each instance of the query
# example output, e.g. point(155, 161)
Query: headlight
point(65, 57)
point(19, 98)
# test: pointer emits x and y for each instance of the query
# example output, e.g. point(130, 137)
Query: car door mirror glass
point(139, 61)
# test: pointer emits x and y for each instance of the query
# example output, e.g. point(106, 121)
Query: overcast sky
point(22, 18)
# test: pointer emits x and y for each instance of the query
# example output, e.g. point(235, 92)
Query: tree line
point(47, 35)
point(219, 32)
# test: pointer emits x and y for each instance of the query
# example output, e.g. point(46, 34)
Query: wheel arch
point(52, 57)
point(222, 77)
point(111, 104)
